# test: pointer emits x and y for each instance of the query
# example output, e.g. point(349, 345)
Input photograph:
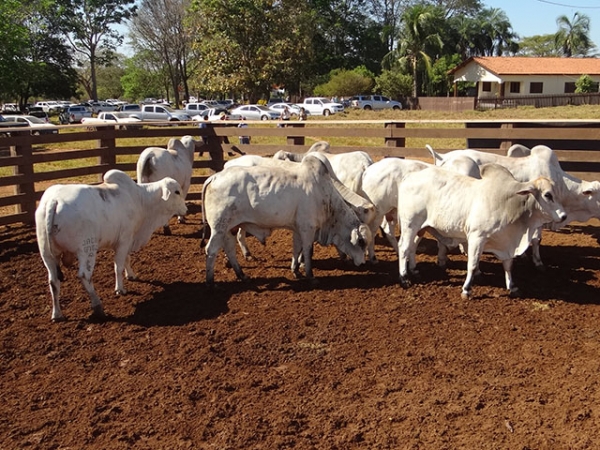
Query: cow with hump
point(580, 198)
point(175, 161)
point(300, 197)
point(77, 220)
point(495, 214)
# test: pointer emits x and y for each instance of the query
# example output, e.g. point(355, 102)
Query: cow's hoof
point(120, 291)
point(405, 282)
point(515, 292)
point(181, 220)
point(59, 319)
point(132, 277)
point(98, 313)
point(313, 281)
point(465, 295)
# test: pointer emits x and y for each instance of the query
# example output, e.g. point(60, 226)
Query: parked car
point(321, 106)
point(10, 108)
point(129, 108)
point(159, 113)
point(38, 126)
point(49, 107)
point(38, 112)
point(255, 112)
point(4, 124)
point(196, 108)
point(121, 119)
point(73, 114)
point(373, 102)
point(215, 114)
point(294, 109)
point(98, 107)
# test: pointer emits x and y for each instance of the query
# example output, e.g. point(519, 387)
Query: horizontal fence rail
point(29, 164)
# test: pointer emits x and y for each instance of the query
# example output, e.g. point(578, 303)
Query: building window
point(515, 87)
point(486, 86)
point(569, 87)
point(536, 88)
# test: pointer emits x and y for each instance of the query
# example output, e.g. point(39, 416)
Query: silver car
point(255, 112)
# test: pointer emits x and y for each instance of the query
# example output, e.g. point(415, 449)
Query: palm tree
point(497, 32)
point(573, 35)
point(419, 36)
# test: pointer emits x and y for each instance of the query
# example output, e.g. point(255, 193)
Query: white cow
point(301, 198)
point(348, 167)
point(363, 209)
point(77, 220)
point(176, 161)
point(380, 184)
point(495, 214)
point(581, 199)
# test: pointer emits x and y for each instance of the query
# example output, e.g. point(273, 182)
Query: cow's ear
point(166, 192)
point(527, 190)
point(590, 188)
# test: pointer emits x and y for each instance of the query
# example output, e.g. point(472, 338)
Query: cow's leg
point(215, 243)
point(54, 278)
point(407, 248)
point(513, 290)
point(296, 253)
point(535, 250)
point(241, 239)
point(371, 248)
point(306, 243)
point(181, 219)
point(388, 228)
point(474, 251)
point(129, 273)
point(120, 264)
point(230, 249)
point(87, 262)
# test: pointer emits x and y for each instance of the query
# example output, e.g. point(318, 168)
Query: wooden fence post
point(395, 141)
point(27, 187)
point(295, 140)
point(109, 143)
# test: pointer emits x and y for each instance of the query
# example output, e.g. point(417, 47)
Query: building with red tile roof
point(503, 76)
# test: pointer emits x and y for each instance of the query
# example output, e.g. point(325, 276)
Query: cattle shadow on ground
point(180, 303)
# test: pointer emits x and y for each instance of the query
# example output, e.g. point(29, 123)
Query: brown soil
point(355, 362)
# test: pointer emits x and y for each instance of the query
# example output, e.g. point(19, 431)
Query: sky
point(533, 17)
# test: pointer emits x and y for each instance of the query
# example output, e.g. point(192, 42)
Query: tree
point(419, 37)
point(90, 29)
point(247, 46)
point(346, 83)
point(538, 45)
point(161, 27)
point(573, 35)
point(33, 58)
point(497, 35)
point(394, 84)
point(585, 85)
point(143, 77)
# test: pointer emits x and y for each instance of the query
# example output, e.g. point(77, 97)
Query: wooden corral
point(576, 144)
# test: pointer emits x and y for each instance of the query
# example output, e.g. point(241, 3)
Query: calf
point(300, 197)
point(496, 214)
point(176, 161)
point(76, 220)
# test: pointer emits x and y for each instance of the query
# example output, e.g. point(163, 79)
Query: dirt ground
point(354, 362)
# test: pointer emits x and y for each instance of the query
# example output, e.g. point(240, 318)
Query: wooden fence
point(25, 161)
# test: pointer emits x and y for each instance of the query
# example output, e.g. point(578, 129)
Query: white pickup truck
point(321, 106)
point(120, 119)
point(160, 113)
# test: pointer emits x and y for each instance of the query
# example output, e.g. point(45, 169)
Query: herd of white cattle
point(482, 202)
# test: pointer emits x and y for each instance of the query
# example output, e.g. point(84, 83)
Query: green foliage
point(394, 84)
point(440, 83)
point(572, 36)
point(538, 45)
point(585, 85)
point(266, 44)
point(139, 80)
point(346, 83)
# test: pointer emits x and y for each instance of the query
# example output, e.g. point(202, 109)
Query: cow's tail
point(49, 253)
point(144, 168)
point(437, 158)
point(205, 225)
